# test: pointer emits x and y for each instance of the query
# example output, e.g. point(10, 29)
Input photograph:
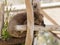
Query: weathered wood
point(1, 17)
point(56, 32)
point(22, 7)
point(38, 28)
point(54, 13)
point(48, 17)
point(30, 23)
point(50, 5)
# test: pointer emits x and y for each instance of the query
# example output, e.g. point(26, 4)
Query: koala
point(21, 19)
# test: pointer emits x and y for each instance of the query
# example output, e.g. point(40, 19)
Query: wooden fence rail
point(22, 7)
point(38, 28)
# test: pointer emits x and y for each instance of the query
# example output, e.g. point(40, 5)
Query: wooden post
point(1, 17)
point(30, 23)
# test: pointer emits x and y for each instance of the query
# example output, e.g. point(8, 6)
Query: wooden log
point(30, 22)
point(38, 28)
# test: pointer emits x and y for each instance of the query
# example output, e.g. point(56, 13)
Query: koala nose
point(35, 6)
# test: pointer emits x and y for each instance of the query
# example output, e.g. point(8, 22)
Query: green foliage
point(5, 34)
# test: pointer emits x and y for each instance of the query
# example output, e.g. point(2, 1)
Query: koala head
point(35, 4)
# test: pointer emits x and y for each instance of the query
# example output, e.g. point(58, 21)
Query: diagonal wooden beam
point(30, 23)
point(48, 17)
